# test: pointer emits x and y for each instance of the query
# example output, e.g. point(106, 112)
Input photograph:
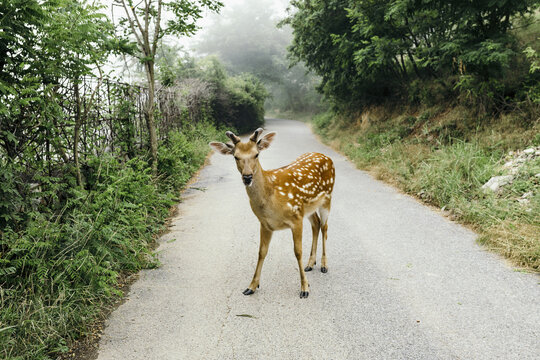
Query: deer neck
point(261, 188)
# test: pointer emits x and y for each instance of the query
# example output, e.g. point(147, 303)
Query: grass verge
point(60, 273)
point(443, 157)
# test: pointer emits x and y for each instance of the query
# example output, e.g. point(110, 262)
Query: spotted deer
point(280, 198)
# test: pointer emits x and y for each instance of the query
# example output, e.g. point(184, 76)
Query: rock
point(528, 151)
point(508, 164)
point(528, 194)
point(537, 175)
point(523, 201)
point(496, 182)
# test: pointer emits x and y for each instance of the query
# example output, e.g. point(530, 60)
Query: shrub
point(58, 273)
point(244, 97)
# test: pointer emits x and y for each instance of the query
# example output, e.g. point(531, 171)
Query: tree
point(43, 44)
point(368, 50)
point(143, 20)
point(46, 47)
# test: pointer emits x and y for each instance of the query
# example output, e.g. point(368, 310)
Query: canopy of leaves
point(44, 43)
point(368, 50)
point(233, 101)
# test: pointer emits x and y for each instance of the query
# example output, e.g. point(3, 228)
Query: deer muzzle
point(247, 179)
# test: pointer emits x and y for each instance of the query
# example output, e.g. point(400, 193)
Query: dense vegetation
point(369, 51)
point(236, 101)
point(432, 95)
point(82, 195)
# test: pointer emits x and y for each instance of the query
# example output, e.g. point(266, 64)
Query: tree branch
point(157, 28)
point(144, 32)
point(131, 23)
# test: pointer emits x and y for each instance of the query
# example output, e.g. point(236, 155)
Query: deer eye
point(257, 155)
point(236, 158)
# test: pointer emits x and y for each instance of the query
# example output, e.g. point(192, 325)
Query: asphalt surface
point(404, 282)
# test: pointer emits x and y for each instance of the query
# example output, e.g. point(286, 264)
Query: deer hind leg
point(297, 239)
point(324, 211)
point(266, 236)
point(315, 227)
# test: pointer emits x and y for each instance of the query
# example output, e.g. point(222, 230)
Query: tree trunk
point(150, 115)
point(403, 67)
point(78, 122)
point(413, 62)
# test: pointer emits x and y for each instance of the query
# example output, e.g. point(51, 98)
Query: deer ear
point(224, 149)
point(265, 141)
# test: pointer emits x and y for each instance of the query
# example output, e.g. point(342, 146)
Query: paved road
point(403, 281)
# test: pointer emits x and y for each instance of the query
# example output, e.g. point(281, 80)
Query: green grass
point(58, 275)
point(417, 154)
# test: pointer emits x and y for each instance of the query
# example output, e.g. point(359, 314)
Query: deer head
point(246, 153)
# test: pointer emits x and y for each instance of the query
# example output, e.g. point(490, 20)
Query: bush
point(242, 103)
point(58, 273)
point(184, 152)
point(210, 94)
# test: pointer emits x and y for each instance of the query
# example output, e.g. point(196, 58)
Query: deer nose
point(247, 179)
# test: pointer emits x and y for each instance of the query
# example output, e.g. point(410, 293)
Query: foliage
point(533, 90)
point(367, 51)
point(79, 203)
point(42, 44)
point(234, 101)
point(244, 96)
point(57, 274)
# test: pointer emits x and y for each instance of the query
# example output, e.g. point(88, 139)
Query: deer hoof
point(308, 268)
point(304, 294)
point(248, 291)
point(324, 269)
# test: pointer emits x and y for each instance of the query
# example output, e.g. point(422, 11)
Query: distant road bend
point(403, 282)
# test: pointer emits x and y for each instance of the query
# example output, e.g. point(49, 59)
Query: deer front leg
point(297, 239)
point(266, 236)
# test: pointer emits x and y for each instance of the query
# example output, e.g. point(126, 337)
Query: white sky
point(278, 6)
